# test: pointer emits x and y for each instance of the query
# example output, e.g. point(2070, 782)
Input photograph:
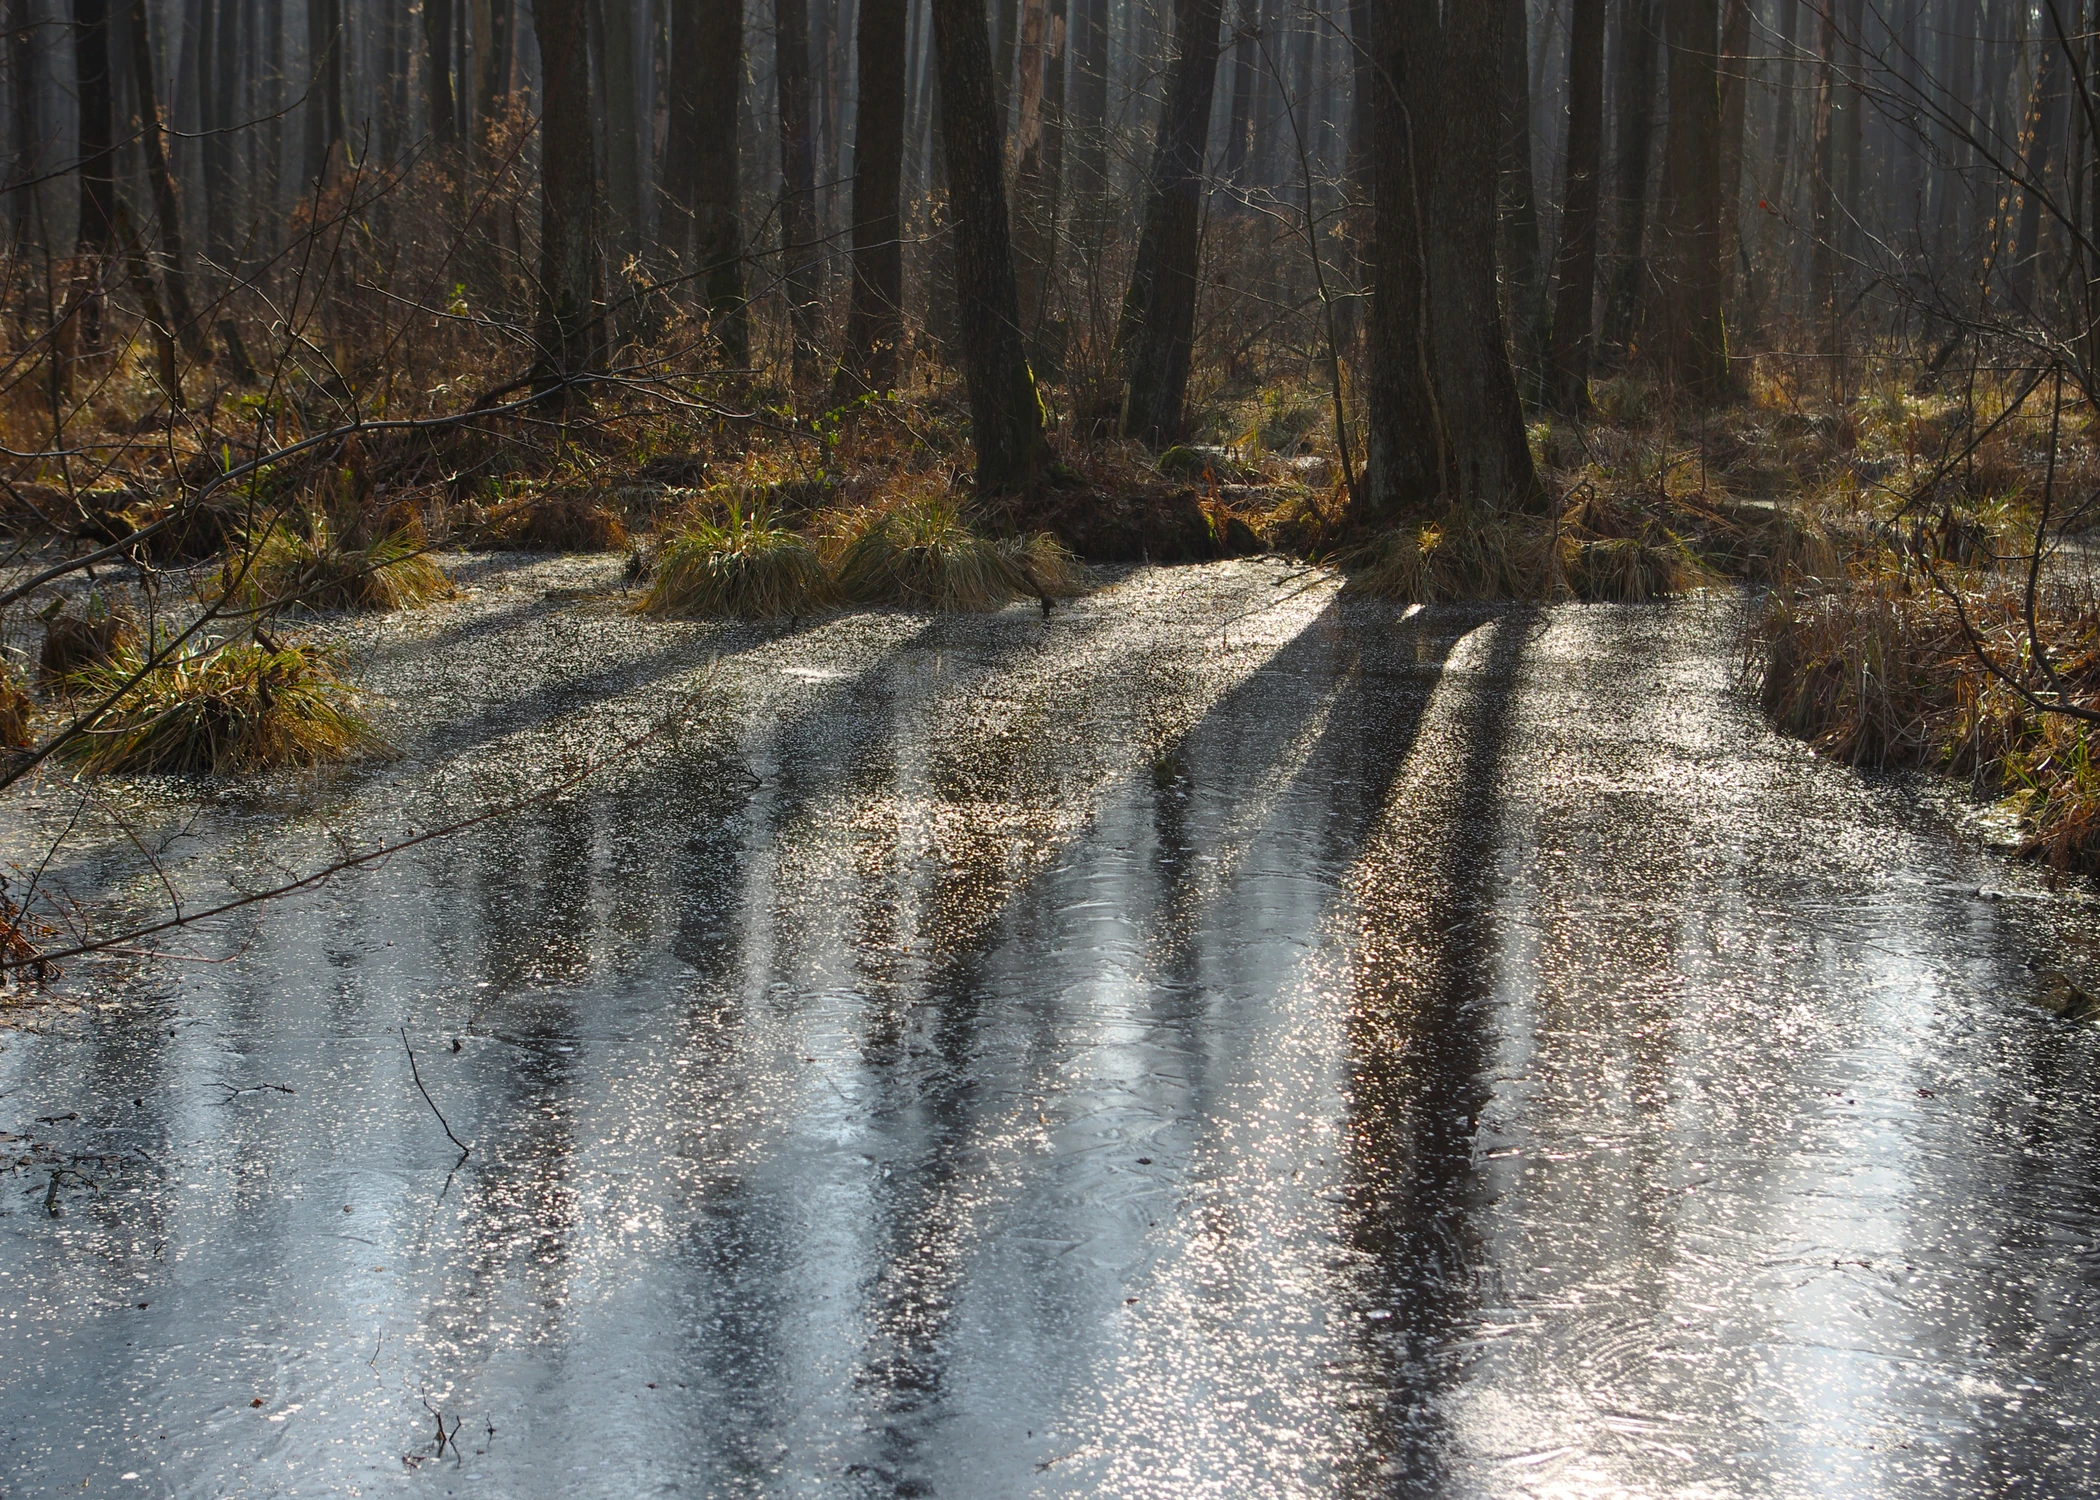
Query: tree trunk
point(566, 330)
point(1006, 414)
point(167, 205)
point(718, 232)
point(98, 189)
point(1575, 295)
point(1090, 115)
point(1404, 440)
point(1519, 223)
point(613, 22)
point(875, 311)
point(1159, 312)
point(798, 182)
point(1477, 389)
point(1638, 53)
point(222, 101)
point(1823, 256)
point(1245, 73)
point(437, 72)
point(1694, 353)
point(2044, 133)
point(1039, 134)
point(324, 107)
point(24, 60)
point(1735, 108)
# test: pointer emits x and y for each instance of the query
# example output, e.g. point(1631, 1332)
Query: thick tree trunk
point(613, 22)
point(1640, 24)
point(1477, 389)
point(707, 40)
point(25, 73)
point(1006, 414)
point(875, 312)
point(1522, 267)
point(798, 182)
point(1575, 294)
point(1694, 352)
point(324, 105)
point(1159, 312)
point(438, 106)
point(1039, 136)
point(1245, 73)
point(167, 204)
point(1404, 439)
point(567, 328)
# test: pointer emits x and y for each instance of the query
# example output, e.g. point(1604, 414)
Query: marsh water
point(1219, 1039)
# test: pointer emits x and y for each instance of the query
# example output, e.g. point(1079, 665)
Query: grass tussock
point(555, 522)
point(75, 642)
point(17, 711)
point(924, 554)
point(310, 568)
point(740, 565)
point(1594, 551)
point(1881, 673)
point(222, 707)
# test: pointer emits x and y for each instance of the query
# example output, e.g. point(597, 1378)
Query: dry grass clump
point(17, 710)
point(565, 521)
point(741, 565)
point(923, 554)
point(220, 707)
point(73, 642)
point(310, 568)
point(1469, 553)
point(1882, 674)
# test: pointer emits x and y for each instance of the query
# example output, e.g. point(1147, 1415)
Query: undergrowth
point(220, 707)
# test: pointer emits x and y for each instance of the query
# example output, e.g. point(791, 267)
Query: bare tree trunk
point(324, 105)
point(222, 97)
point(167, 205)
point(1006, 413)
point(443, 117)
point(1575, 294)
point(1634, 138)
point(1245, 72)
point(1039, 148)
point(1694, 356)
point(1735, 109)
point(1477, 389)
point(707, 39)
point(567, 327)
point(25, 74)
point(875, 312)
point(1404, 439)
point(613, 22)
point(1521, 254)
point(798, 182)
point(1159, 312)
point(2044, 133)
point(98, 188)
point(1823, 255)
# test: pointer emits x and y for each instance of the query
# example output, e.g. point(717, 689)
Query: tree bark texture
point(1694, 352)
point(1575, 291)
point(798, 182)
point(1640, 27)
point(1735, 112)
point(437, 72)
point(1006, 413)
point(875, 309)
point(566, 331)
point(1159, 312)
point(1522, 256)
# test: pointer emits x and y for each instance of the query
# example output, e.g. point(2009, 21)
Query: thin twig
point(417, 1073)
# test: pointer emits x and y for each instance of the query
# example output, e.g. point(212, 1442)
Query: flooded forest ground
point(1219, 1035)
